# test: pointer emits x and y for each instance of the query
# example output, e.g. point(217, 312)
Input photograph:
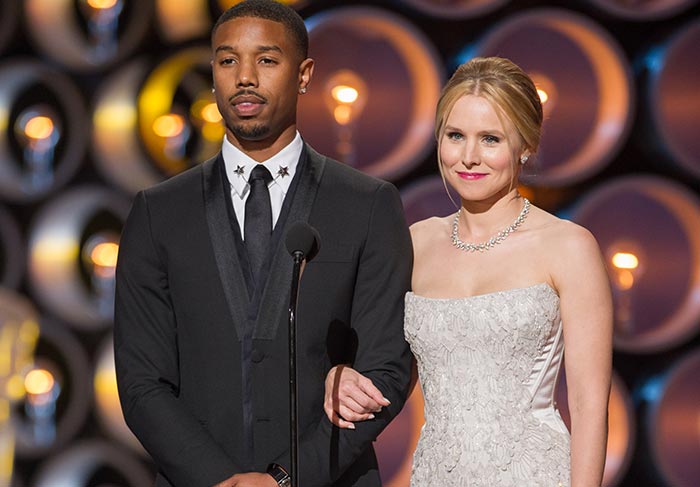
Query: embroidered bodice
point(488, 366)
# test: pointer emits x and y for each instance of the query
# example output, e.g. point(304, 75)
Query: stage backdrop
point(101, 98)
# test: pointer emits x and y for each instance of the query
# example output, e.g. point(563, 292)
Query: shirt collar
point(239, 165)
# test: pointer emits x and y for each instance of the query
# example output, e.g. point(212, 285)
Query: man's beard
point(250, 132)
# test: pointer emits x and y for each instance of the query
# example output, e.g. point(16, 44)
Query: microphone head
point(302, 237)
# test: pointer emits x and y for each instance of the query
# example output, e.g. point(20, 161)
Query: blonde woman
point(500, 290)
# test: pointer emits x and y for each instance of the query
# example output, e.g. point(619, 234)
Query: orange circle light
point(342, 114)
point(211, 114)
point(102, 4)
point(39, 128)
point(624, 279)
point(38, 381)
point(168, 126)
point(105, 254)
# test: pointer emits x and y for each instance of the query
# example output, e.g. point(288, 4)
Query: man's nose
point(247, 74)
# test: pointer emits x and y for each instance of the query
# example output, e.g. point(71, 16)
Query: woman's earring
point(302, 90)
point(523, 159)
point(213, 90)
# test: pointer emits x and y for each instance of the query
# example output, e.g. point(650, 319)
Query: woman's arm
point(352, 397)
point(587, 316)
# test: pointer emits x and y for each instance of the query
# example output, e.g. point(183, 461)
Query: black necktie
point(258, 218)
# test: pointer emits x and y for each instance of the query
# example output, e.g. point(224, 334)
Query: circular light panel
point(388, 130)
point(657, 301)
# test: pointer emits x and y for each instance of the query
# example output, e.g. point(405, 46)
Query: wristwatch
point(280, 475)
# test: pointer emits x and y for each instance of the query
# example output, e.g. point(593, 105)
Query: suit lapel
point(224, 244)
point(275, 300)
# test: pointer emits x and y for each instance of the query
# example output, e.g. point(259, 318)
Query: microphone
point(302, 242)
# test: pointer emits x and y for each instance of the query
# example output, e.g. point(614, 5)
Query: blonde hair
point(506, 86)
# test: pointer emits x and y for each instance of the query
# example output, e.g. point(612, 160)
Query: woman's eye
point(491, 139)
point(454, 136)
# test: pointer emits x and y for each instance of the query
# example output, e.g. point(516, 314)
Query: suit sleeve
point(146, 357)
point(383, 278)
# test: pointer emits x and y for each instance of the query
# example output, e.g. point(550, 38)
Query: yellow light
point(102, 4)
point(543, 95)
point(7, 340)
point(342, 114)
point(38, 382)
point(168, 126)
point(105, 383)
point(115, 116)
point(344, 94)
point(29, 332)
point(50, 256)
point(210, 113)
point(213, 131)
point(625, 260)
point(15, 388)
point(4, 411)
point(105, 254)
point(39, 128)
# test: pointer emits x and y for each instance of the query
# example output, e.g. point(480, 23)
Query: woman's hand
point(351, 397)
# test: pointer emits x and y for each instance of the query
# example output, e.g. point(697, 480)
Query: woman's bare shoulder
point(565, 240)
point(425, 231)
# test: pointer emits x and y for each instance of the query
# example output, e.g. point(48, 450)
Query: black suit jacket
point(181, 308)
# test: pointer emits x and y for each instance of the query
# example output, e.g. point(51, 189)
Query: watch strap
point(279, 474)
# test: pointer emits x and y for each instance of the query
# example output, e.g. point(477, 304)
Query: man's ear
point(306, 71)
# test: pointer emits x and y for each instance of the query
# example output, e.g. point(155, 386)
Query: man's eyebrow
point(270, 48)
point(223, 47)
point(227, 48)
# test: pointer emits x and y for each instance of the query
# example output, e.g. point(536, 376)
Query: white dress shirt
point(282, 166)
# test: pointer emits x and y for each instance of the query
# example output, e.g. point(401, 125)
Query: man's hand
point(251, 479)
point(350, 396)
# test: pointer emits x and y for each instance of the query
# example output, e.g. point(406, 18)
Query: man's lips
point(247, 105)
point(471, 176)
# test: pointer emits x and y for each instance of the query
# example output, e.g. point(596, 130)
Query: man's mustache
point(246, 93)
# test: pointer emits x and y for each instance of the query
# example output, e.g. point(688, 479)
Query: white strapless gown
point(488, 366)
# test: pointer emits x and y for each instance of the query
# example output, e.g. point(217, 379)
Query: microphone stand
point(293, 414)
point(302, 243)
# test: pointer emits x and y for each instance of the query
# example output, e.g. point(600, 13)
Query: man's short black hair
point(270, 10)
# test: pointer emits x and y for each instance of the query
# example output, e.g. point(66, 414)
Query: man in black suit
point(202, 292)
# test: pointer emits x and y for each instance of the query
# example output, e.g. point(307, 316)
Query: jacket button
point(257, 356)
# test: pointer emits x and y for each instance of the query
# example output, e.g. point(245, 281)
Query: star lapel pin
point(283, 171)
point(240, 170)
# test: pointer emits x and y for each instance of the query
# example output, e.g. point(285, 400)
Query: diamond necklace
point(493, 241)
